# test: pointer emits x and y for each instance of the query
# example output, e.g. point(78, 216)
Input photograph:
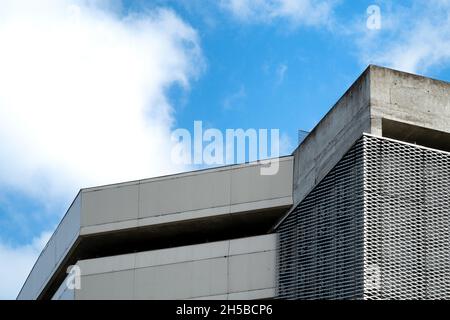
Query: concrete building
point(360, 210)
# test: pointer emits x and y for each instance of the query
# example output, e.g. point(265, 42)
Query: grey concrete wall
point(54, 252)
point(333, 136)
point(192, 195)
point(234, 269)
point(379, 93)
point(408, 98)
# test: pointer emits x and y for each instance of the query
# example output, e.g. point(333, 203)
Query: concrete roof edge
point(185, 174)
point(409, 74)
point(48, 241)
point(367, 73)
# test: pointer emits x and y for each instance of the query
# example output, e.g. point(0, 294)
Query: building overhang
point(195, 207)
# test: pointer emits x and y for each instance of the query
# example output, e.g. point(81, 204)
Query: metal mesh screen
point(376, 227)
point(321, 241)
point(407, 216)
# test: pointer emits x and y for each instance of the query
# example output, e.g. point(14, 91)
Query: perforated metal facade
point(376, 227)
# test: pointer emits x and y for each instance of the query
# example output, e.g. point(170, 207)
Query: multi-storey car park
point(360, 210)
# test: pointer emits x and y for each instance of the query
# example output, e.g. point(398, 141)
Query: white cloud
point(16, 263)
point(297, 12)
point(414, 36)
point(83, 102)
point(234, 101)
point(412, 39)
point(83, 93)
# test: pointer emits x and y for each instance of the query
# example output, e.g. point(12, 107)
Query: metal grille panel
point(321, 241)
point(376, 227)
point(407, 216)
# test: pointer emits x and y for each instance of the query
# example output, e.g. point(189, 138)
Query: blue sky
point(84, 82)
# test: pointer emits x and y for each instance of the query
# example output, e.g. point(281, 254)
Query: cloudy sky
point(91, 90)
